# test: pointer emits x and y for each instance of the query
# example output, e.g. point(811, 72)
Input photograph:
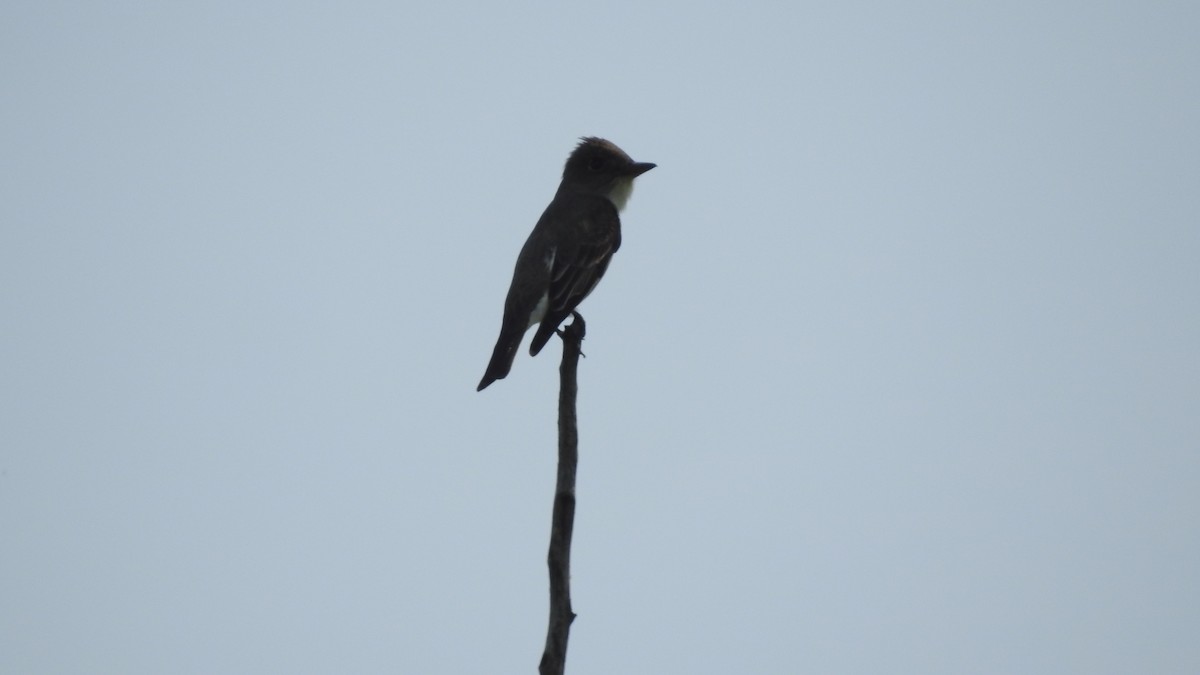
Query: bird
point(568, 250)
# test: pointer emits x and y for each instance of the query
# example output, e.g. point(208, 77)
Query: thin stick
point(554, 658)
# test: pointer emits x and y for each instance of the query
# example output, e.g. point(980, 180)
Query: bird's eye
point(596, 163)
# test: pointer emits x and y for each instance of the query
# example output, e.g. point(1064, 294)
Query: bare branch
point(554, 658)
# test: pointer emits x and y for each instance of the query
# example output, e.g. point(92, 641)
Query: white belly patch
point(539, 311)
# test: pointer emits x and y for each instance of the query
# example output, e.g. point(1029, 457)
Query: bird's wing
point(575, 274)
point(578, 266)
point(583, 257)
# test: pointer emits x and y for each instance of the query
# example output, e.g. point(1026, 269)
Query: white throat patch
point(619, 195)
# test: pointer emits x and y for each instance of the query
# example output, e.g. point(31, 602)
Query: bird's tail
point(502, 357)
point(545, 331)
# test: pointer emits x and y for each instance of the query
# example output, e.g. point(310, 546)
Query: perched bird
point(568, 250)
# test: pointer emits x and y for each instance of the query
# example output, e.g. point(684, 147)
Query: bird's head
point(600, 167)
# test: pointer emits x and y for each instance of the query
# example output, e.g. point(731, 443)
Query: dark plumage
point(568, 251)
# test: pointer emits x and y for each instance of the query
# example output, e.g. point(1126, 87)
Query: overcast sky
point(896, 371)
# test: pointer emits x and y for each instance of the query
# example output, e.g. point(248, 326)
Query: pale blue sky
point(895, 372)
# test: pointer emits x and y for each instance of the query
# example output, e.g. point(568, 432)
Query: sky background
point(896, 371)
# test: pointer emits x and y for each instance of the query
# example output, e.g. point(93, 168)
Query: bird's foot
point(575, 330)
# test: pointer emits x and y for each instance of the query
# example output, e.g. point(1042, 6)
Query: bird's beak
point(638, 168)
